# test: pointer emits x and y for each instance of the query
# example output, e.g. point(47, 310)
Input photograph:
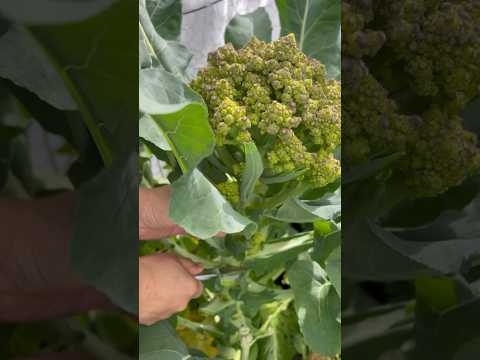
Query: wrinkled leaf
point(166, 17)
point(198, 207)
point(180, 115)
point(149, 130)
point(172, 56)
point(317, 305)
point(300, 211)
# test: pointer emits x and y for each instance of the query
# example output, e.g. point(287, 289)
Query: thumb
point(154, 221)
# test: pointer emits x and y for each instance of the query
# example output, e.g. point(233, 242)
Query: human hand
point(36, 279)
point(154, 222)
point(167, 283)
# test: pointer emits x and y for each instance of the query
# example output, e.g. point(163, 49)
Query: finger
point(154, 221)
point(192, 267)
point(199, 290)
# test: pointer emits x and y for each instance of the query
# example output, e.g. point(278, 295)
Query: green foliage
point(120, 227)
point(274, 117)
point(63, 74)
point(194, 201)
point(243, 27)
point(179, 117)
point(307, 278)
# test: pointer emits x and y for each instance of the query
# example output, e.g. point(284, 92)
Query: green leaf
point(180, 116)
point(25, 63)
point(166, 17)
point(462, 343)
point(144, 51)
point(325, 245)
point(198, 207)
point(436, 293)
point(274, 255)
point(160, 341)
point(398, 258)
point(317, 305)
point(300, 211)
point(316, 25)
point(333, 266)
point(376, 331)
point(253, 171)
point(171, 55)
point(278, 179)
point(369, 169)
point(243, 27)
point(51, 11)
point(149, 130)
point(370, 257)
point(103, 254)
point(89, 56)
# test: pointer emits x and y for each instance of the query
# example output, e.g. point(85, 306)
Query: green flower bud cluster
point(230, 190)
point(274, 95)
point(357, 41)
point(444, 138)
point(424, 51)
point(439, 43)
point(256, 243)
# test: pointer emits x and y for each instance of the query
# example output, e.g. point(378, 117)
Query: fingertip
point(199, 290)
point(192, 267)
point(198, 268)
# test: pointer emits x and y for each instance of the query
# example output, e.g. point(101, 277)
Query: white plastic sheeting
point(204, 23)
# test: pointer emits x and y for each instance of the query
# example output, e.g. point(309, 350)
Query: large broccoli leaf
point(316, 25)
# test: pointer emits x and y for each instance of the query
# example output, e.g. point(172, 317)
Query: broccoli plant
point(410, 72)
point(250, 145)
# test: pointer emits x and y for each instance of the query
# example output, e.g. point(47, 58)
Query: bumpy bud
point(230, 190)
point(433, 48)
point(276, 96)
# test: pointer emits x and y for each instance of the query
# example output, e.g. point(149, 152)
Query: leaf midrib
point(304, 24)
point(87, 116)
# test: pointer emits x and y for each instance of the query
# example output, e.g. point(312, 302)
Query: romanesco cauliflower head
point(276, 96)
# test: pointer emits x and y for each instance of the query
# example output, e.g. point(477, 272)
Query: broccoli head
point(410, 68)
point(276, 96)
